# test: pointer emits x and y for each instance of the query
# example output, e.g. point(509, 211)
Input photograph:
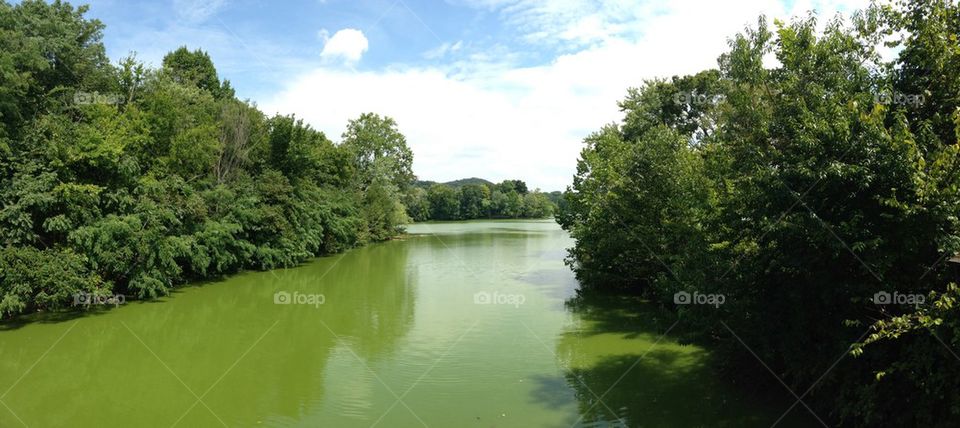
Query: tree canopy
point(474, 198)
point(806, 193)
point(124, 179)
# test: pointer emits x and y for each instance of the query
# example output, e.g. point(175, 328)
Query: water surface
point(458, 325)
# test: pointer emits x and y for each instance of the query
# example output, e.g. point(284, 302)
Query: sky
point(498, 89)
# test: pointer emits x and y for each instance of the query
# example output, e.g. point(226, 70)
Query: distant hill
point(465, 181)
point(455, 183)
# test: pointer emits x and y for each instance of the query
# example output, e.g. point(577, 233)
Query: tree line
point(130, 180)
point(812, 200)
point(476, 199)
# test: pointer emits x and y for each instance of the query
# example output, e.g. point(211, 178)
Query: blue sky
point(249, 40)
point(491, 88)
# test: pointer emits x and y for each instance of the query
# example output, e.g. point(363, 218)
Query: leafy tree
point(195, 68)
point(444, 202)
point(382, 164)
point(537, 205)
point(801, 188)
point(417, 203)
point(132, 180)
point(32, 279)
point(474, 200)
point(184, 135)
point(385, 213)
point(517, 186)
point(241, 128)
point(48, 51)
point(379, 151)
point(506, 204)
point(295, 149)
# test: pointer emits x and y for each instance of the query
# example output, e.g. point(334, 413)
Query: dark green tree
point(474, 200)
point(444, 202)
point(195, 68)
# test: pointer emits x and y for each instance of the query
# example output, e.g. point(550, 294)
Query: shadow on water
point(73, 313)
point(623, 314)
point(626, 372)
point(45, 318)
point(77, 313)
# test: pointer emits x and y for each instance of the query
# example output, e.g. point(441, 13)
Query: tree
point(294, 148)
point(132, 180)
point(196, 68)
point(506, 204)
point(239, 132)
point(379, 151)
point(33, 279)
point(417, 203)
point(48, 52)
point(537, 205)
point(385, 213)
point(806, 187)
point(382, 165)
point(184, 134)
point(444, 202)
point(474, 200)
point(517, 186)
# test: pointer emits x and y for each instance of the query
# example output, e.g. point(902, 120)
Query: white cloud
point(480, 117)
point(348, 45)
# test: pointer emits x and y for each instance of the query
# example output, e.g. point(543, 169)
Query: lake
point(464, 324)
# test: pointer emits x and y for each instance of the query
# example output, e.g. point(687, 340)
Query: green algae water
point(470, 324)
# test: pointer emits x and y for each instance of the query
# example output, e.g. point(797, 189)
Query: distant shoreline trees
point(478, 199)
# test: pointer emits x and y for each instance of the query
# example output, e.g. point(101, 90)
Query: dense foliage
point(799, 191)
point(474, 198)
point(123, 179)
